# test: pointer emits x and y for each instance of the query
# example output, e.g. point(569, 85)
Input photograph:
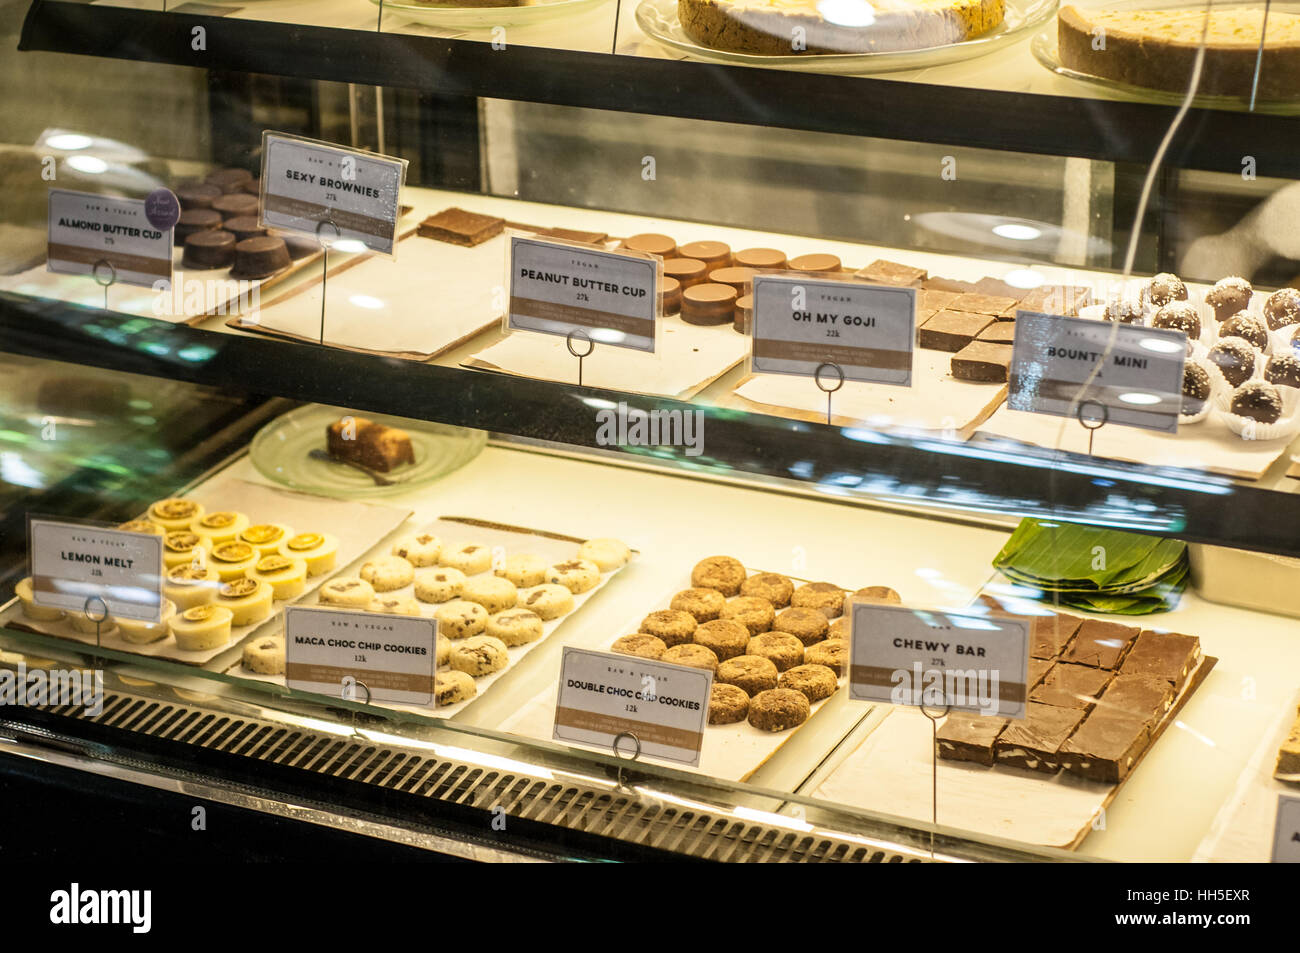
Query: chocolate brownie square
point(459, 227)
point(1168, 655)
point(952, 330)
point(1105, 747)
point(966, 737)
point(1138, 696)
point(883, 272)
point(1071, 686)
point(982, 304)
point(1033, 743)
point(1101, 644)
point(982, 362)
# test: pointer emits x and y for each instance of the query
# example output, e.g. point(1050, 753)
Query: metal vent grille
point(709, 833)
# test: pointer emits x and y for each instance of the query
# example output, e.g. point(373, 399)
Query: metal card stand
point(325, 264)
point(88, 609)
point(1092, 424)
point(351, 696)
point(635, 755)
point(112, 277)
point(379, 24)
point(591, 346)
point(934, 769)
point(817, 378)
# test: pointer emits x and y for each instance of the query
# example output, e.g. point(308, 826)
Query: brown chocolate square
point(459, 227)
point(1168, 655)
point(1064, 300)
point(1038, 669)
point(574, 235)
point(884, 272)
point(982, 304)
point(1071, 686)
point(936, 283)
point(982, 361)
point(1106, 747)
point(934, 300)
point(952, 330)
point(999, 332)
point(1138, 696)
point(1034, 743)
point(966, 737)
point(1000, 289)
point(1101, 644)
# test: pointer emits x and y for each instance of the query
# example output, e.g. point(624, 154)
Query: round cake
point(210, 248)
point(259, 257)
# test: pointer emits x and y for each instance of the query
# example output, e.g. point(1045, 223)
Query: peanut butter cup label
point(261, 534)
point(181, 542)
point(239, 588)
point(305, 541)
point(233, 552)
point(220, 520)
point(271, 564)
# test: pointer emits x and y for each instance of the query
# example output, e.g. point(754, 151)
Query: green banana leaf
point(1064, 557)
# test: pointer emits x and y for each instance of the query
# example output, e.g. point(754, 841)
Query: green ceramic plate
point(282, 451)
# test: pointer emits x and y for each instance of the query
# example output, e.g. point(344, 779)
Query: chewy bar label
point(610, 297)
point(88, 230)
point(1286, 833)
point(71, 563)
point(1140, 382)
point(360, 655)
point(919, 657)
point(307, 183)
point(602, 695)
point(800, 324)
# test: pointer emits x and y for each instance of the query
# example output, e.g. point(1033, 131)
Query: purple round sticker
point(162, 208)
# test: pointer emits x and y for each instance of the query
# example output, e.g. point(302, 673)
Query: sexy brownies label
point(110, 239)
point(330, 192)
point(360, 656)
point(938, 659)
point(72, 564)
point(663, 708)
point(1139, 371)
point(866, 331)
point(601, 297)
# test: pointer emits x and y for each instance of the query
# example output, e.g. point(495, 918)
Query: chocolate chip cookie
point(724, 637)
point(773, 587)
point(755, 614)
point(723, 573)
point(778, 709)
point(452, 687)
point(672, 625)
point(833, 653)
point(704, 604)
point(727, 704)
point(781, 649)
point(815, 681)
point(640, 645)
point(750, 672)
point(696, 656)
point(806, 625)
point(827, 598)
point(877, 594)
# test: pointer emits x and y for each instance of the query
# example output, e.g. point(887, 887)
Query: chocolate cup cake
point(195, 220)
point(251, 187)
point(300, 246)
point(228, 180)
point(197, 195)
point(1259, 401)
point(260, 257)
point(212, 248)
point(244, 226)
point(236, 205)
point(670, 295)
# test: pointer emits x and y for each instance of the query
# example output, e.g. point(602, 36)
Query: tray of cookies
point(496, 592)
point(234, 553)
point(777, 647)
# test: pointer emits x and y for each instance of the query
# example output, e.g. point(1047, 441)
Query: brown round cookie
point(772, 586)
point(841, 628)
point(690, 654)
point(807, 625)
point(727, 704)
point(726, 638)
point(704, 604)
point(779, 709)
point(825, 597)
point(833, 653)
point(876, 594)
point(672, 625)
point(755, 614)
point(722, 573)
point(782, 650)
point(640, 645)
point(815, 681)
point(751, 672)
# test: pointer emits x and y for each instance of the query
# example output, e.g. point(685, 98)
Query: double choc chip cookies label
point(72, 564)
point(800, 325)
point(1139, 371)
point(940, 660)
point(601, 297)
point(662, 707)
point(331, 192)
point(110, 239)
point(360, 656)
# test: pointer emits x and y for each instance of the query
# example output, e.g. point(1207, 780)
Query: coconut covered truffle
point(1162, 289)
point(1258, 400)
point(1228, 296)
point(1235, 359)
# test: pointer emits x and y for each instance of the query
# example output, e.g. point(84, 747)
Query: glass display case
point(760, 366)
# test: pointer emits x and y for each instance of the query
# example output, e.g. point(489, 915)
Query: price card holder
point(1098, 372)
point(361, 656)
point(108, 239)
point(586, 295)
point(1286, 832)
point(832, 330)
point(344, 198)
point(622, 702)
point(95, 571)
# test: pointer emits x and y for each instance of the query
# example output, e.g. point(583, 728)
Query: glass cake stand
point(485, 15)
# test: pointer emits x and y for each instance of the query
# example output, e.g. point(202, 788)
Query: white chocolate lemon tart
point(189, 585)
point(141, 633)
point(181, 548)
point(233, 560)
point(30, 609)
point(318, 549)
point(174, 515)
point(266, 537)
point(249, 600)
point(221, 526)
point(201, 627)
point(286, 576)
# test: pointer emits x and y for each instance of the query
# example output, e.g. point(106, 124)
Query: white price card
point(74, 565)
point(801, 324)
point(1139, 383)
point(361, 656)
point(331, 192)
point(602, 297)
point(1286, 833)
point(110, 239)
point(663, 707)
point(916, 657)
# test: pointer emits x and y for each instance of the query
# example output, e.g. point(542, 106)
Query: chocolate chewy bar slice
point(1138, 696)
point(884, 272)
point(1071, 686)
point(1101, 644)
point(459, 227)
point(982, 362)
point(1168, 655)
point(993, 305)
point(1035, 742)
point(966, 737)
point(952, 330)
point(1106, 747)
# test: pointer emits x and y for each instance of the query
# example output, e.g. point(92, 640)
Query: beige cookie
point(547, 600)
point(696, 656)
point(755, 614)
point(877, 594)
point(827, 598)
point(781, 649)
point(750, 672)
point(833, 653)
point(265, 656)
point(452, 687)
point(419, 550)
point(722, 573)
point(442, 651)
point(806, 624)
point(672, 625)
point(704, 604)
point(460, 619)
point(347, 591)
point(640, 645)
point(728, 704)
point(388, 573)
point(469, 558)
point(726, 638)
point(524, 569)
point(576, 575)
point(439, 585)
point(773, 587)
point(491, 592)
point(778, 709)
point(515, 626)
point(478, 656)
point(394, 605)
point(607, 554)
point(815, 681)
